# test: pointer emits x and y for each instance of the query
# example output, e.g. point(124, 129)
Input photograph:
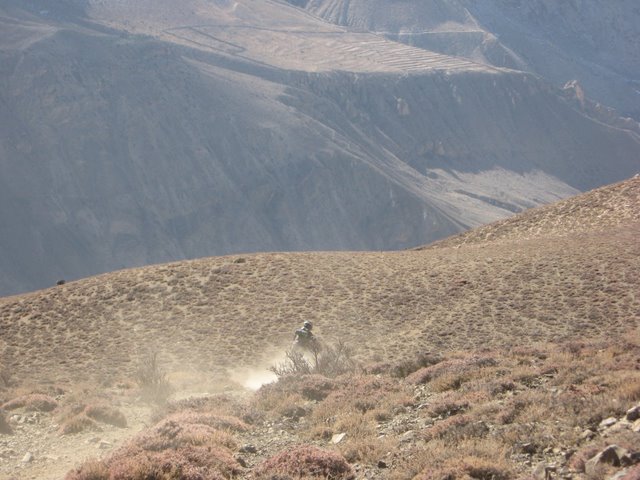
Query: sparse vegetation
point(152, 380)
point(106, 414)
point(326, 360)
point(32, 402)
point(521, 368)
point(185, 445)
point(305, 461)
point(78, 424)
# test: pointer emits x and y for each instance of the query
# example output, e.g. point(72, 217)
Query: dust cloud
point(252, 378)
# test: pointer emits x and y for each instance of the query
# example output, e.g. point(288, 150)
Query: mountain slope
point(133, 135)
point(226, 314)
point(594, 42)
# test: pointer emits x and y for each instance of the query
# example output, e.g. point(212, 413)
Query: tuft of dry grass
point(152, 379)
point(77, 424)
point(189, 444)
point(305, 461)
point(89, 470)
point(35, 402)
point(469, 458)
point(106, 414)
point(185, 463)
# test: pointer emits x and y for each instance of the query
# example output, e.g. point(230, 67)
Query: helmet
point(307, 325)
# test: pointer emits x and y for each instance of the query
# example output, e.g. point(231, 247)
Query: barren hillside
point(222, 314)
point(509, 351)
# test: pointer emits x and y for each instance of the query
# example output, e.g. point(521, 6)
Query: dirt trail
point(37, 435)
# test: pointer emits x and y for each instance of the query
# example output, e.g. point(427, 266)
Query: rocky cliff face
point(594, 42)
point(127, 140)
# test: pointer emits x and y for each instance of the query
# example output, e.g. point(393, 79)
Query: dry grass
point(480, 347)
point(480, 459)
point(78, 424)
point(35, 402)
point(516, 290)
point(479, 430)
point(305, 461)
point(188, 444)
point(106, 414)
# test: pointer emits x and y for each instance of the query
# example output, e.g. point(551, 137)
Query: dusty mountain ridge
point(138, 133)
point(233, 313)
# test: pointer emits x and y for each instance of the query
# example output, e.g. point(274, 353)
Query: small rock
point(248, 448)
point(528, 448)
point(636, 426)
point(543, 471)
point(607, 422)
point(587, 434)
point(103, 445)
point(382, 464)
point(633, 413)
point(28, 457)
point(611, 455)
point(93, 440)
point(408, 437)
point(337, 438)
point(243, 463)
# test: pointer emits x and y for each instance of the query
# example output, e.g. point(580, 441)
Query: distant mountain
point(594, 42)
point(141, 132)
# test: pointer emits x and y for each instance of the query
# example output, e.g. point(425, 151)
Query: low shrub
point(78, 424)
point(294, 390)
point(152, 380)
point(186, 463)
point(220, 422)
point(305, 461)
point(407, 367)
point(106, 414)
point(35, 402)
point(480, 459)
point(327, 360)
point(172, 435)
point(361, 394)
point(367, 450)
point(455, 402)
point(454, 368)
point(454, 429)
point(89, 470)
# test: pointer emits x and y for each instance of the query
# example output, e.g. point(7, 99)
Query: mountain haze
point(138, 132)
point(594, 42)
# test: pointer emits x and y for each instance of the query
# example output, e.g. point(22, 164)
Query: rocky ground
point(548, 414)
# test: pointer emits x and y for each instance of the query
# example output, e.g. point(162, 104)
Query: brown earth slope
point(218, 315)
